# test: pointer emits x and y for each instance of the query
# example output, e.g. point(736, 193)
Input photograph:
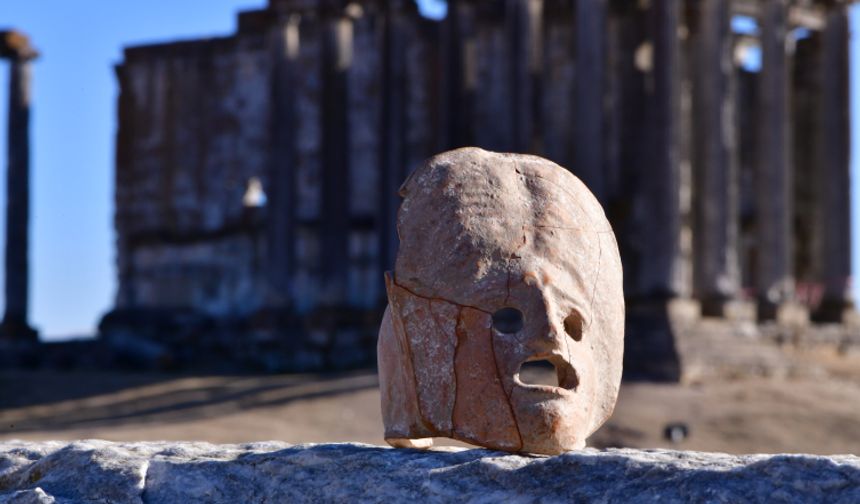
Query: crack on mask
point(454, 367)
point(596, 279)
point(564, 228)
point(567, 344)
point(514, 256)
point(436, 298)
point(505, 392)
point(427, 425)
point(454, 359)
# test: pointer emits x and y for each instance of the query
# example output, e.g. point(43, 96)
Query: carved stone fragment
point(504, 259)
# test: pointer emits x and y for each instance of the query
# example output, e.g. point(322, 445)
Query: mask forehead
point(467, 230)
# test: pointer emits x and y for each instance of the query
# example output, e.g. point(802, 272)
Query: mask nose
point(556, 331)
point(554, 328)
point(543, 326)
point(546, 336)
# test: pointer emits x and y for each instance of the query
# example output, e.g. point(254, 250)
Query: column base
point(788, 313)
point(18, 331)
point(650, 351)
point(681, 310)
point(684, 310)
point(837, 311)
point(729, 309)
point(667, 340)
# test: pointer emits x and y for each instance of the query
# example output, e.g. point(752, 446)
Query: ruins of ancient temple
point(257, 174)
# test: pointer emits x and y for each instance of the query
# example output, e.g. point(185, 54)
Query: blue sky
point(72, 253)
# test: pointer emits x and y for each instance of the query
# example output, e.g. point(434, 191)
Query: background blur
point(807, 401)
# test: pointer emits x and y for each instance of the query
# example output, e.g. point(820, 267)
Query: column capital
point(15, 45)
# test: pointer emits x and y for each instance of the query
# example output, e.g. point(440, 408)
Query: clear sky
point(74, 121)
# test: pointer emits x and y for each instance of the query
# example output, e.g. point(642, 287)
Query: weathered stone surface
point(481, 234)
point(193, 134)
point(100, 471)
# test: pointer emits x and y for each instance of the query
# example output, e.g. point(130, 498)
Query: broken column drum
point(504, 259)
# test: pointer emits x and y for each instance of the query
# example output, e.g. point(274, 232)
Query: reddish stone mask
point(503, 259)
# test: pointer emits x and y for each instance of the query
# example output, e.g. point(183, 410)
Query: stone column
point(835, 152)
point(281, 203)
point(588, 118)
point(806, 108)
point(774, 279)
point(367, 161)
point(337, 57)
point(661, 273)
point(557, 83)
point(460, 80)
point(525, 35)
point(394, 128)
point(658, 289)
point(15, 326)
point(306, 275)
point(715, 178)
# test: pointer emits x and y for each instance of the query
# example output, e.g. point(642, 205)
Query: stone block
point(101, 471)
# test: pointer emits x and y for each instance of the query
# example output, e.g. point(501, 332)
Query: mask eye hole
point(508, 320)
point(573, 326)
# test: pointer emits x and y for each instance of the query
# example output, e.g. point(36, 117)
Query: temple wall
point(193, 136)
point(220, 276)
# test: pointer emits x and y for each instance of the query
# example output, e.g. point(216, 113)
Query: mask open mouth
point(552, 374)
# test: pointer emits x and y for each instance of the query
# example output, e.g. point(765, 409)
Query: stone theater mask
point(504, 259)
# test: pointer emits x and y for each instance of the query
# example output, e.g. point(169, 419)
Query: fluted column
point(15, 47)
point(337, 57)
point(661, 274)
point(525, 35)
point(590, 19)
point(835, 198)
point(282, 203)
point(715, 230)
point(459, 56)
point(394, 128)
point(774, 280)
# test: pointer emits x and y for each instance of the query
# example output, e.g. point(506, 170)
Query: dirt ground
point(809, 415)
